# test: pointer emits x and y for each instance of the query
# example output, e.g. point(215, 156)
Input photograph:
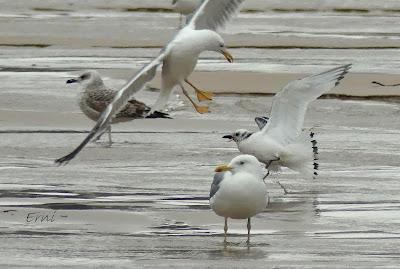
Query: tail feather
point(301, 157)
point(314, 144)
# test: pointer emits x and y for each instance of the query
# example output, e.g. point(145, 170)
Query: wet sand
point(143, 203)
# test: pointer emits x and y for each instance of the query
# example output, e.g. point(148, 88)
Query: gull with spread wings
point(281, 140)
point(178, 59)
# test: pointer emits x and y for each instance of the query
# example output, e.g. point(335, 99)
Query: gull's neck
point(199, 40)
point(244, 137)
point(96, 85)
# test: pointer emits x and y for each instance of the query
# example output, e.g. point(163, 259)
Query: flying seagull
point(96, 96)
point(238, 190)
point(178, 57)
point(281, 141)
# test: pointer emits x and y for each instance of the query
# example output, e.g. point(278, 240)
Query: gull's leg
point(201, 95)
point(283, 187)
point(199, 109)
point(109, 136)
point(181, 19)
point(225, 229)
point(265, 177)
point(248, 231)
point(99, 136)
point(280, 185)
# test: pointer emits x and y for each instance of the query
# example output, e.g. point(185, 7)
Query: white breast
point(88, 111)
point(180, 62)
point(261, 146)
point(239, 197)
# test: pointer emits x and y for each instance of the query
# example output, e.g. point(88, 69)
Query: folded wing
point(290, 104)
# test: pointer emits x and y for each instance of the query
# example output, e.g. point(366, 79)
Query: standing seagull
point(179, 58)
point(238, 190)
point(184, 8)
point(281, 142)
point(96, 96)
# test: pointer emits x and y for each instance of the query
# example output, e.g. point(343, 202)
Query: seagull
point(238, 191)
point(281, 140)
point(96, 96)
point(179, 58)
point(184, 8)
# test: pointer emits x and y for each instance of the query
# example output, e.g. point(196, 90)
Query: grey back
point(218, 177)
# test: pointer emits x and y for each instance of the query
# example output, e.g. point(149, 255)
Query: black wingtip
point(158, 114)
point(345, 69)
point(64, 160)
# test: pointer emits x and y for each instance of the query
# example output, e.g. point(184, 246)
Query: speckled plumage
point(93, 101)
point(96, 100)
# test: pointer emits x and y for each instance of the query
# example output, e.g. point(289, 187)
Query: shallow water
point(144, 202)
point(293, 36)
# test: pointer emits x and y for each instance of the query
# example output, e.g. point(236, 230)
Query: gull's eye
point(237, 134)
point(221, 45)
point(241, 163)
point(84, 76)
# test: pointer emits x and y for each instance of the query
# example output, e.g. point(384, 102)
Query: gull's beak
point(72, 80)
point(223, 168)
point(227, 55)
point(230, 137)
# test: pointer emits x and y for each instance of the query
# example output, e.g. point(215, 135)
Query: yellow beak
point(223, 168)
point(227, 55)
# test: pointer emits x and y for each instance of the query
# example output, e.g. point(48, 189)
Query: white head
point(212, 41)
point(242, 163)
point(239, 135)
point(87, 79)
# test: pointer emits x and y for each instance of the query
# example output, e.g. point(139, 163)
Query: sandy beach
point(143, 203)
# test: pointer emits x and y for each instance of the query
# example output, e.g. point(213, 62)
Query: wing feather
point(121, 98)
point(214, 14)
point(290, 104)
point(218, 178)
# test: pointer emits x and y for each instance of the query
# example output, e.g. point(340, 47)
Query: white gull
point(281, 140)
point(238, 190)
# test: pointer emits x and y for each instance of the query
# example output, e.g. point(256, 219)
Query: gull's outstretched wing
point(290, 104)
point(213, 14)
point(135, 84)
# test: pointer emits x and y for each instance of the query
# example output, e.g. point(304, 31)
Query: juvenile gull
point(179, 58)
point(96, 96)
point(281, 141)
point(238, 191)
point(94, 99)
